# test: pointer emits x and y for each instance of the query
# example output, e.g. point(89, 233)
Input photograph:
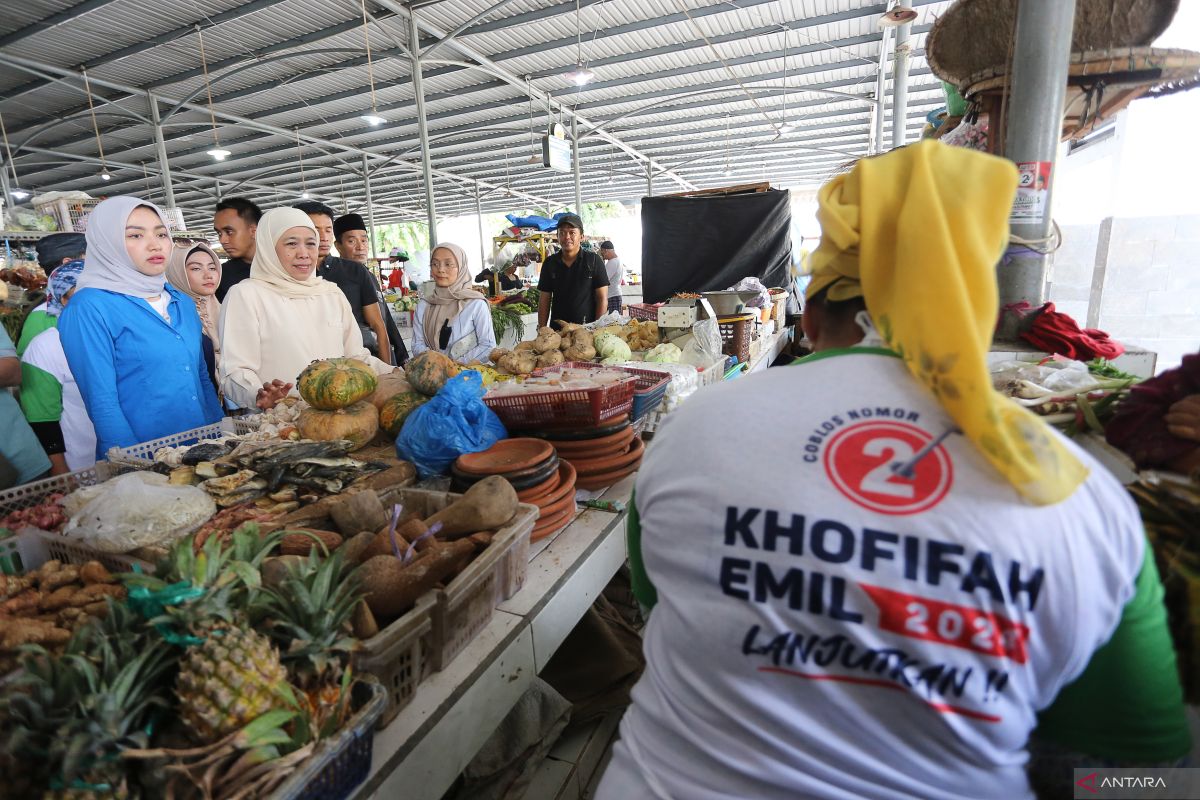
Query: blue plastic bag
point(454, 422)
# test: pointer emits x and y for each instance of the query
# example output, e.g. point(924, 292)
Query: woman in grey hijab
point(133, 341)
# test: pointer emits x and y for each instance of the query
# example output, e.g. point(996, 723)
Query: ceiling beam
point(53, 21)
point(146, 44)
point(45, 69)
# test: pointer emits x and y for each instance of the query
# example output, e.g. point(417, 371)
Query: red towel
point(1056, 332)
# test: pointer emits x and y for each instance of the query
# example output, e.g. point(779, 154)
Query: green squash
point(335, 383)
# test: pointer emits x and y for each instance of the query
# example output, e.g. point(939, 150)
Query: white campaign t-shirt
point(46, 353)
point(828, 628)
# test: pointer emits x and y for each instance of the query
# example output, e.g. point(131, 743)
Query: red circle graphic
point(861, 460)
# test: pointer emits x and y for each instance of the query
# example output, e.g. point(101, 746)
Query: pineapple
point(308, 616)
point(231, 674)
point(230, 680)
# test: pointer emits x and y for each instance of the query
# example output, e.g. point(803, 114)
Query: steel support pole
point(366, 171)
point(900, 84)
point(479, 220)
point(876, 143)
point(414, 47)
point(5, 188)
point(575, 164)
point(160, 146)
point(649, 181)
point(1035, 113)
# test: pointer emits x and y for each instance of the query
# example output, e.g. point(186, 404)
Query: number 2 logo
point(864, 462)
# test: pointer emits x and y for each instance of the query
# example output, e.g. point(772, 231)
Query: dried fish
point(183, 476)
point(230, 483)
point(206, 451)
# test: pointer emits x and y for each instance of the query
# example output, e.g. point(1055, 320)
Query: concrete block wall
point(1142, 285)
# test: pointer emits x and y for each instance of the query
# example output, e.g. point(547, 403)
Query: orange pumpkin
point(357, 423)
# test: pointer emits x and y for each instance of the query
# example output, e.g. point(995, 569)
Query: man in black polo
point(352, 278)
point(574, 284)
point(235, 221)
point(353, 244)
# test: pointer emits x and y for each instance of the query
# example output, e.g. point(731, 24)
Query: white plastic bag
point(703, 347)
point(138, 509)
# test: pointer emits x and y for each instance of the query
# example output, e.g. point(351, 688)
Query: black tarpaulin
point(709, 243)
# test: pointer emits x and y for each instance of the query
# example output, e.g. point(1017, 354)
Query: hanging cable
point(87, 89)
point(370, 69)
point(212, 116)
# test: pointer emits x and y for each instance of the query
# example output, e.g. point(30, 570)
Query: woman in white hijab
point(453, 319)
point(132, 341)
point(284, 317)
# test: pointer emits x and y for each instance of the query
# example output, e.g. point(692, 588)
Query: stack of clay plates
point(601, 456)
point(534, 470)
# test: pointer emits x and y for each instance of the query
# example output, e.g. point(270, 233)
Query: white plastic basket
point(141, 456)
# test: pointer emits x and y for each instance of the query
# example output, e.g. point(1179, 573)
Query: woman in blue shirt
point(132, 341)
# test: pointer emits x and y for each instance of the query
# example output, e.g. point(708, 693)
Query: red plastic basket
point(647, 392)
point(575, 408)
point(643, 311)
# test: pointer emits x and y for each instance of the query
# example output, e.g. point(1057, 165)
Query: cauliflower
point(664, 354)
point(611, 347)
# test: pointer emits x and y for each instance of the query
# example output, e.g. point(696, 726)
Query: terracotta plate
point(544, 488)
point(505, 456)
point(623, 436)
point(594, 466)
point(566, 488)
point(525, 479)
point(605, 479)
point(547, 527)
point(565, 502)
point(575, 434)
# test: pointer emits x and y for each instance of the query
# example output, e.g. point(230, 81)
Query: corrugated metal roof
point(667, 72)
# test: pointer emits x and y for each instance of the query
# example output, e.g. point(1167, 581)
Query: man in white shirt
point(612, 265)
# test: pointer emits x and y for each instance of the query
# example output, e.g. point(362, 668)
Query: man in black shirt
point(352, 278)
point(574, 284)
point(235, 221)
point(353, 244)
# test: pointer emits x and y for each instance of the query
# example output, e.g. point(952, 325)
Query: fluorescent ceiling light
point(18, 193)
point(105, 176)
point(728, 171)
point(304, 195)
point(373, 119)
point(581, 75)
point(219, 154)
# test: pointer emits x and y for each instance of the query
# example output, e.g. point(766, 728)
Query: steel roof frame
point(645, 144)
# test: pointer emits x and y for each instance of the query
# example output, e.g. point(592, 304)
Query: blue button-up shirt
point(141, 377)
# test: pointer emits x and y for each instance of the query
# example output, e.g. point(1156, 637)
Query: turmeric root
point(95, 572)
point(58, 599)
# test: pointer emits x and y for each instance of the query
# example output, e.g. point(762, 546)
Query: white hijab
point(267, 267)
point(108, 265)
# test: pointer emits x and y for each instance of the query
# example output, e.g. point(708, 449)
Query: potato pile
point(44, 606)
point(571, 343)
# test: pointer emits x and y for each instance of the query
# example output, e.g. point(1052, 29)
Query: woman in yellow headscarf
point(879, 598)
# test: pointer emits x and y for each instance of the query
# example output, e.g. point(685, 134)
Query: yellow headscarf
point(917, 234)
